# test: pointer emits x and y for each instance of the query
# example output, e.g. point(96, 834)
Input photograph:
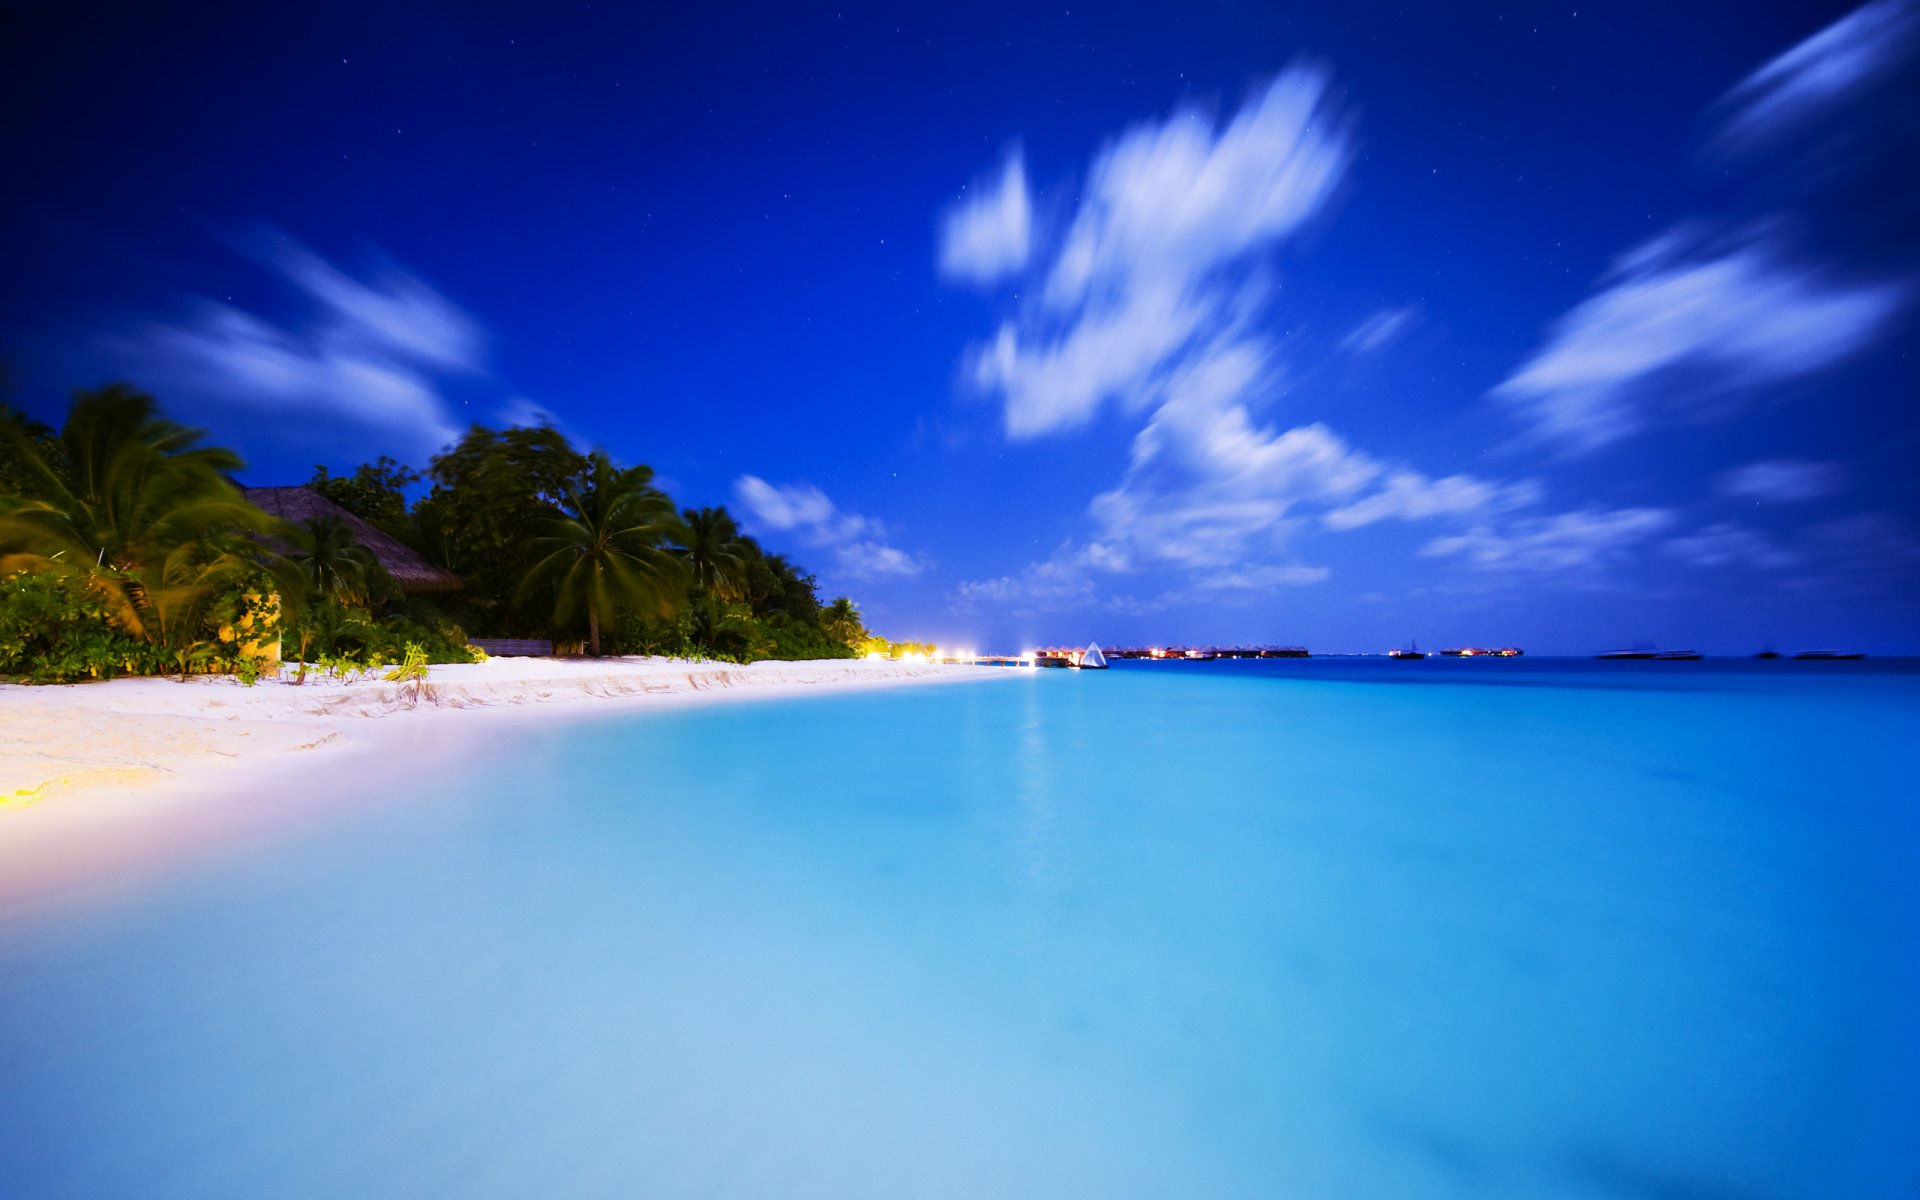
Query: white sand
point(61, 740)
point(102, 782)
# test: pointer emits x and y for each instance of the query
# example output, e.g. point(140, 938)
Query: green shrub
point(53, 631)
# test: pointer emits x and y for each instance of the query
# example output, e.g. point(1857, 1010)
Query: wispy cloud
point(1819, 76)
point(1575, 544)
point(1062, 583)
point(857, 543)
point(1719, 316)
point(986, 236)
point(1155, 306)
point(1727, 544)
point(1209, 485)
point(1411, 496)
point(1159, 249)
point(1866, 552)
point(375, 353)
point(1380, 330)
point(1783, 480)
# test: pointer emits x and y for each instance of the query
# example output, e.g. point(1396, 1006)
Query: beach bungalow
point(409, 568)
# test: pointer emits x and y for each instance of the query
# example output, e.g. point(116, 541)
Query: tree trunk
point(593, 628)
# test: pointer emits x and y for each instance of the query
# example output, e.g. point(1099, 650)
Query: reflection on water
point(1246, 931)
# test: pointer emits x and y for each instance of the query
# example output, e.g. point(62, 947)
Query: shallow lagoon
point(1326, 929)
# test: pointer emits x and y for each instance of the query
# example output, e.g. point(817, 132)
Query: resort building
point(409, 568)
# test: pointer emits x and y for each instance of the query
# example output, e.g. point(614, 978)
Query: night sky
point(1569, 326)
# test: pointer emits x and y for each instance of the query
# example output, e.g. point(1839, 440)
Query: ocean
point(1333, 928)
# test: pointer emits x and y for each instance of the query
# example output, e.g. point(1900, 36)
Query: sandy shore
point(102, 784)
point(138, 733)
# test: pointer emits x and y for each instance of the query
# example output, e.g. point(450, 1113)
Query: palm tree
point(842, 622)
point(336, 565)
point(712, 551)
point(608, 547)
point(127, 501)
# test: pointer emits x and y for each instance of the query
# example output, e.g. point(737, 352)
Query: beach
point(123, 733)
point(131, 755)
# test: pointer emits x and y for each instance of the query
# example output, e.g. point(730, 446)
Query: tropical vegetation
point(126, 547)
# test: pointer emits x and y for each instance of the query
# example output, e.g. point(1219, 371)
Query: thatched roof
point(409, 569)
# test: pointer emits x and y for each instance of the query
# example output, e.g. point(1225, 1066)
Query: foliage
point(128, 502)
point(336, 565)
point(607, 549)
point(711, 548)
point(124, 547)
point(53, 629)
point(493, 494)
point(376, 491)
point(21, 436)
point(331, 630)
point(412, 667)
point(841, 621)
point(873, 643)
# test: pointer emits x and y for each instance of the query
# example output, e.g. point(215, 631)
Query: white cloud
point(1818, 76)
point(1732, 318)
point(1153, 306)
point(1573, 542)
point(1729, 545)
point(987, 237)
point(1411, 496)
point(1162, 246)
point(1265, 578)
point(1175, 200)
point(397, 313)
point(1058, 584)
point(855, 542)
point(1208, 485)
point(1783, 480)
point(1071, 581)
point(375, 358)
point(1114, 354)
point(1380, 330)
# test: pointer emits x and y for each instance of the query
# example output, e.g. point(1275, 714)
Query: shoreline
point(97, 779)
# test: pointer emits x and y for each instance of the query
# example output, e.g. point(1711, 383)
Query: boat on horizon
point(1829, 656)
point(1412, 651)
point(1091, 659)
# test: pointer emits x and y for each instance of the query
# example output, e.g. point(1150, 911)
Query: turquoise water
point(1321, 929)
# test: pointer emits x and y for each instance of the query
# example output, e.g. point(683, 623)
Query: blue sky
point(1563, 326)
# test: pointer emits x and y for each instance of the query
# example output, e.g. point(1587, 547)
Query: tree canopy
point(127, 517)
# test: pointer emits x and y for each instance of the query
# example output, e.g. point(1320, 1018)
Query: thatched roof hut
point(407, 566)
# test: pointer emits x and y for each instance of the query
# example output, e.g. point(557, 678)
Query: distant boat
point(1677, 656)
point(1092, 659)
point(1829, 655)
point(1620, 655)
point(1769, 652)
point(1412, 651)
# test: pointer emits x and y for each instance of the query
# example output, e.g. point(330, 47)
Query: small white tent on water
point(1093, 660)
